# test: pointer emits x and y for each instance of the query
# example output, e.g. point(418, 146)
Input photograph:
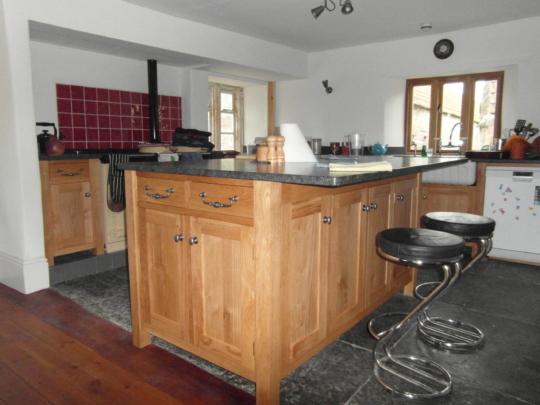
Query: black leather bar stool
point(449, 333)
point(409, 375)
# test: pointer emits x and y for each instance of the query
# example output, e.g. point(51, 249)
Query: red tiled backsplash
point(92, 118)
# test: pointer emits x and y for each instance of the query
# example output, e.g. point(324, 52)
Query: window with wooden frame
point(453, 114)
point(226, 116)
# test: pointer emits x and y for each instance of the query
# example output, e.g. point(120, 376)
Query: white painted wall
point(53, 64)
point(255, 113)
point(22, 260)
point(369, 81)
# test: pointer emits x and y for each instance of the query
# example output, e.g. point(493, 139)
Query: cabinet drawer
point(221, 194)
point(161, 191)
point(69, 170)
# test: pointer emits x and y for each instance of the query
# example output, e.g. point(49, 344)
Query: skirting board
point(514, 255)
point(24, 275)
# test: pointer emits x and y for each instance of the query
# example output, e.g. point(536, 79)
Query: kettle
point(377, 149)
point(50, 144)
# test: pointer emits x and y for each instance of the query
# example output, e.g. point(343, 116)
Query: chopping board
point(485, 154)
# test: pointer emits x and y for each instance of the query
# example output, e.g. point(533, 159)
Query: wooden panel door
point(223, 291)
point(346, 284)
point(165, 277)
point(404, 216)
point(72, 211)
point(305, 247)
point(377, 270)
point(436, 197)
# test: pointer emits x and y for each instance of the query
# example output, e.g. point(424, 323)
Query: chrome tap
point(452, 132)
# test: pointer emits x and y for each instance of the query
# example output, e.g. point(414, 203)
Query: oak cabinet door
point(377, 269)
point(223, 268)
point(72, 212)
point(436, 198)
point(165, 277)
point(404, 216)
point(346, 284)
point(306, 241)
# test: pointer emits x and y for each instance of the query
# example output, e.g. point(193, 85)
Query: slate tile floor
point(501, 298)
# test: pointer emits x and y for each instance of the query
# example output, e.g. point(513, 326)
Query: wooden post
point(267, 216)
point(271, 108)
point(141, 338)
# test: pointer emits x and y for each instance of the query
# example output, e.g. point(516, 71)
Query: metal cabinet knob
point(374, 206)
point(401, 198)
point(366, 208)
point(178, 238)
point(327, 220)
point(87, 194)
point(193, 241)
point(424, 197)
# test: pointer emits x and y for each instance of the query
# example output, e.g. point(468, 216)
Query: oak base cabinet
point(71, 207)
point(265, 281)
point(447, 198)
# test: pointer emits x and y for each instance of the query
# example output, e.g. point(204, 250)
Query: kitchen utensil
point(520, 124)
point(377, 149)
point(50, 144)
point(356, 143)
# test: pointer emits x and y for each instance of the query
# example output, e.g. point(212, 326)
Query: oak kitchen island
point(255, 267)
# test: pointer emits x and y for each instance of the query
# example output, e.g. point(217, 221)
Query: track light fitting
point(346, 8)
point(328, 89)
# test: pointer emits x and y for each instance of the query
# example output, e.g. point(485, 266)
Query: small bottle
point(424, 151)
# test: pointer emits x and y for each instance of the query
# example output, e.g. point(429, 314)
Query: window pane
point(485, 103)
point(226, 101)
point(420, 116)
point(227, 122)
point(227, 142)
point(451, 115)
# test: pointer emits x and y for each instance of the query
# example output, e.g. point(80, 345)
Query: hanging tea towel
point(361, 167)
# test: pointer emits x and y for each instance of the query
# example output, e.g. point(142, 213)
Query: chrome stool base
point(412, 377)
point(449, 333)
point(372, 321)
point(409, 375)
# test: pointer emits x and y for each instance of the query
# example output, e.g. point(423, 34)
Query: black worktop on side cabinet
point(295, 173)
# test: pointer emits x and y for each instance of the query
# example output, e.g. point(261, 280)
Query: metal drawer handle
point(327, 220)
point(366, 208)
point(178, 238)
point(193, 241)
point(158, 196)
point(68, 174)
point(216, 204)
point(400, 198)
point(374, 206)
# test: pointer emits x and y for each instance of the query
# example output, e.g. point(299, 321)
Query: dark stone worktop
point(295, 173)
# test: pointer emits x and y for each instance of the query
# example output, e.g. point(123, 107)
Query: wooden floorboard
point(52, 351)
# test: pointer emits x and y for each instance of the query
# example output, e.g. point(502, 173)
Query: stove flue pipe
point(153, 101)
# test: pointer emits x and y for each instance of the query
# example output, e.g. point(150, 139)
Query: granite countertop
point(295, 173)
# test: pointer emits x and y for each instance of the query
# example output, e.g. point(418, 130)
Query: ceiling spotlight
point(346, 7)
point(328, 89)
point(317, 11)
point(426, 27)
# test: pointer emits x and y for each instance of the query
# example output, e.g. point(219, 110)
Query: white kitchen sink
point(462, 175)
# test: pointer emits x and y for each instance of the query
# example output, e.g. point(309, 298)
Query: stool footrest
point(412, 376)
point(449, 333)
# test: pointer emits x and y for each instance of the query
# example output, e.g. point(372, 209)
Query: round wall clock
point(443, 49)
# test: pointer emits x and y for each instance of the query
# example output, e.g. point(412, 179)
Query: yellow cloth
point(361, 167)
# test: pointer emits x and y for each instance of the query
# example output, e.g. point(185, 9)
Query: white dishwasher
point(512, 199)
